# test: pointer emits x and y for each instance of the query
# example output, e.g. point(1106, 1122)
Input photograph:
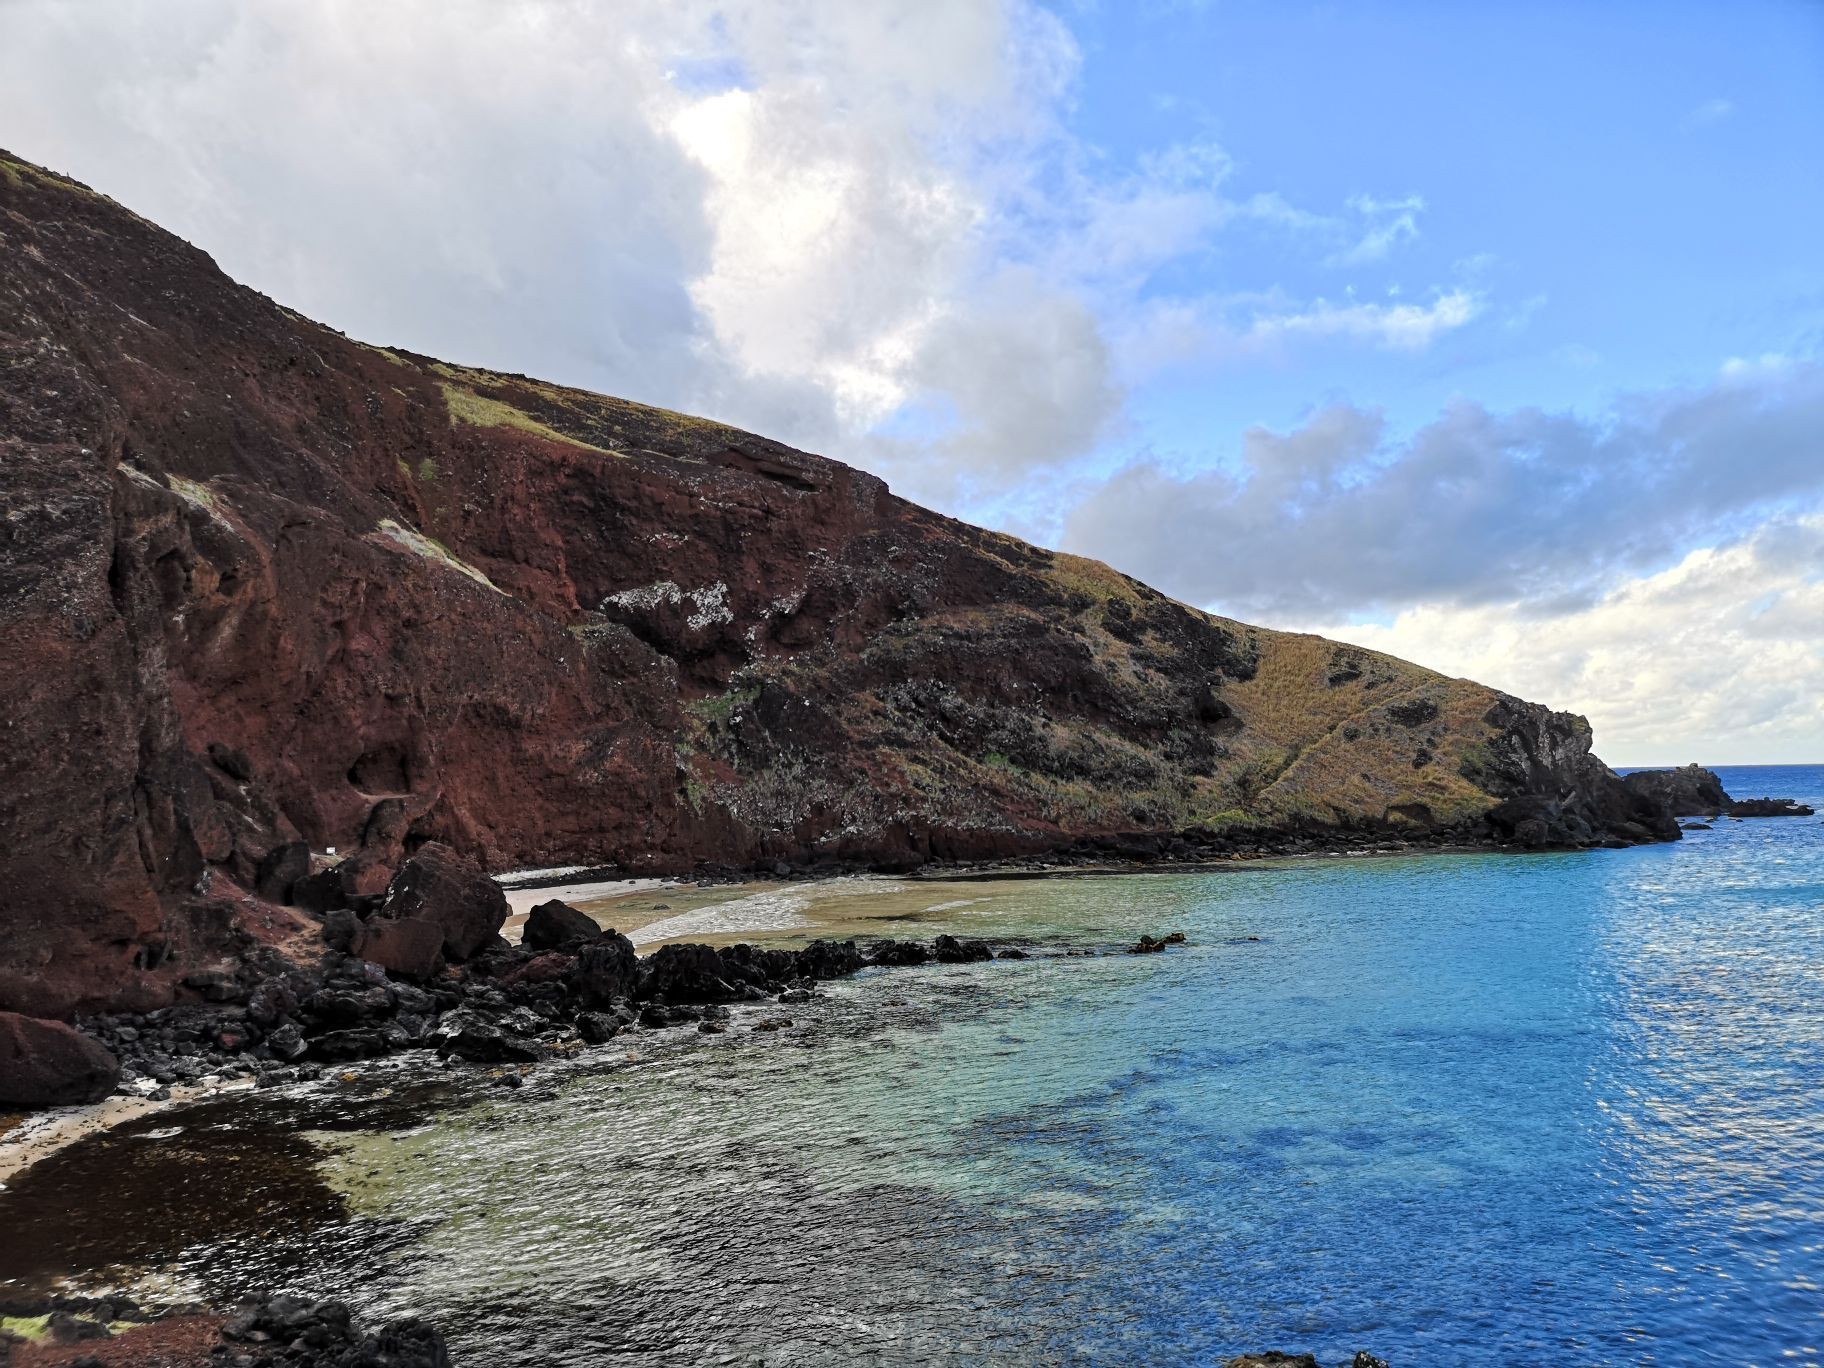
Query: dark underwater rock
point(284, 1331)
point(950, 950)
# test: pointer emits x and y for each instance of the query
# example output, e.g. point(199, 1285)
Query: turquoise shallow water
point(1559, 1109)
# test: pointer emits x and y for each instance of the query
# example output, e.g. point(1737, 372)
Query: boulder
point(469, 1035)
point(606, 969)
point(597, 1027)
point(320, 892)
point(405, 946)
point(898, 954)
point(1688, 791)
point(555, 924)
point(437, 885)
point(348, 1006)
point(553, 966)
point(281, 869)
point(949, 950)
point(49, 1064)
point(686, 973)
point(272, 1001)
point(823, 959)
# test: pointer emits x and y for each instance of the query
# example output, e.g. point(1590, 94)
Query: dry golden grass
point(466, 406)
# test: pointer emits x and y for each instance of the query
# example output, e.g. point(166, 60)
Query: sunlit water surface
point(1560, 1109)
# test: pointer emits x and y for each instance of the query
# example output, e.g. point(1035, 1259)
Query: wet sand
point(41, 1134)
point(862, 906)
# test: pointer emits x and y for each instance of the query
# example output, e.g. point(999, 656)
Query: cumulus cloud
point(1534, 508)
point(865, 229)
point(1717, 656)
point(1386, 224)
point(773, 213)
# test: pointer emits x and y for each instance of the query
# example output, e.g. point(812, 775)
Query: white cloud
point(1387, 223)
point(1476, 507)
point(1716, 659)
point(808, 217)
point(1402, 327)
point(1709, 112)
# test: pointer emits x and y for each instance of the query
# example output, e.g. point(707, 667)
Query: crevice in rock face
point(381, 772)
point(776, 471)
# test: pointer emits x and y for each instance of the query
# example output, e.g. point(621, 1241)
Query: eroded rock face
point(268, 592)
point(1554, 791)
point(49, 1064)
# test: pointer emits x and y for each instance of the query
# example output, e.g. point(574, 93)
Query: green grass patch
point(466, 406)
point(721, 707)
point(194, 492)
point(26, 1327)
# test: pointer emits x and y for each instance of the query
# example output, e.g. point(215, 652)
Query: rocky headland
point(285, 609)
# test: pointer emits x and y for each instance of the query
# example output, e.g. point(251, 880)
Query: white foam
point(777, 909)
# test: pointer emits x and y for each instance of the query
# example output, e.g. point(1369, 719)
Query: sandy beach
point(41, 1134)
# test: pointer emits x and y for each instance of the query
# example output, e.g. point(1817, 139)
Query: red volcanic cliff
point(265, 585)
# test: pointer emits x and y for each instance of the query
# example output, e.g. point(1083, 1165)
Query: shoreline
point(38, 1135)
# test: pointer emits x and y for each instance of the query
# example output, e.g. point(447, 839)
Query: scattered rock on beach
point(49, 1064)
point(439, 886)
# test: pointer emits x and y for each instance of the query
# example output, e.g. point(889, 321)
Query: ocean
point(1560, 1109)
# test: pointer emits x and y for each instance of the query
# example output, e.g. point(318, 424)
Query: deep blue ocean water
point(1535, 1109)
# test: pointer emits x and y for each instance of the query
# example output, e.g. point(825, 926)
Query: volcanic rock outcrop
point(270, 593)
point(1688, 791)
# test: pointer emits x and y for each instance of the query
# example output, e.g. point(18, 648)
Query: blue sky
point(1635, 191)
point(1489, 335)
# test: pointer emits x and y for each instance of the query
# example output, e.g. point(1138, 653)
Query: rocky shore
point(423, 966)
point(285, 1331)
point(405, 952)
point(270, 1331)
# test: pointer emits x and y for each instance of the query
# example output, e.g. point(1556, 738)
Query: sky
point(1488, 335)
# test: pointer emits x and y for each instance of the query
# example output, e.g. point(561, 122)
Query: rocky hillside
point(269, 591)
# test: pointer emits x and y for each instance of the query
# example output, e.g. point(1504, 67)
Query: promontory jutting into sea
point(493, 873)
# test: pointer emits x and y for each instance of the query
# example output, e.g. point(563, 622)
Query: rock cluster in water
point(1769, 807)
point(275, 1330)
point(284, 1331)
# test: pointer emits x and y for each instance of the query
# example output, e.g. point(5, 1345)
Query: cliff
point(267, 587)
